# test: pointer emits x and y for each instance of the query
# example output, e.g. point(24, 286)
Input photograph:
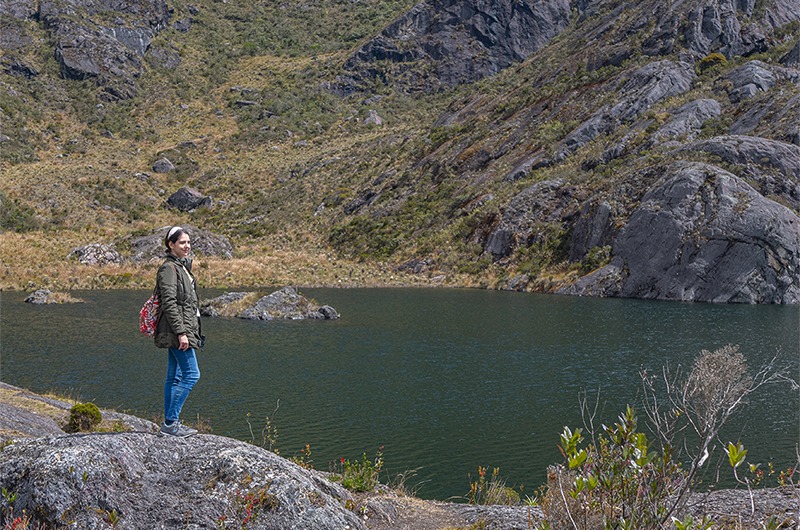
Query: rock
point(373, 119)
point(101, 40)
point(20, 9)
point(460, 41)
point(40, 297)
point(13, 35)
point(703, 234)
point(183, 25)
point(594, 228)
point(151, 247)
point(285, 303)
point(25, 414)
point(164, 56)
point(773, 165)
point(793, 57)
point(188, 199)
point(211, 308)
point(328, 313)
point(146, 481)
point(18, 67)
point(16, 422)
point(529, 216)
point(730, 26)
point(415, 266)
point(750, 79)
point(96, 254)
point(644, 88)
point(163, 165)
point(687, 121)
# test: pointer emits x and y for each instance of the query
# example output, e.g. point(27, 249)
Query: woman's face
point(181, 247)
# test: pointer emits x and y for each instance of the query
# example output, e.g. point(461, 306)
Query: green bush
point(710, 61)
point(597, 257)
point(83, 417)
point(360, 476)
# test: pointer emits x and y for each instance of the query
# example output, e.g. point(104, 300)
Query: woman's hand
point(183, 342)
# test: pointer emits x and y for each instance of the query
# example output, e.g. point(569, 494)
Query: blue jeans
point(182, 374)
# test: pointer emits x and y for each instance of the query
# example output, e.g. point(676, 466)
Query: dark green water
point(446, 379)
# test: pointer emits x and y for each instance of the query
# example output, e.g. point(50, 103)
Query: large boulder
point(151, 247)
point(188, 199)
point(793, 57)
point(141, 480)
point(458, 41)
point(703, 234)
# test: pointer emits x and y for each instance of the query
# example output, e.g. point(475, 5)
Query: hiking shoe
point(177, 429)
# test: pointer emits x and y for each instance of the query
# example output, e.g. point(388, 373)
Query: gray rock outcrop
point(151, 247)
point(644, 88)
point(40, 297)
point(793, 57)
point(729, 26)
point(284, 304)
point(188, 199)
point(773, 166)
point(688, 120)
point(750, 79)
point(703, 234)
point(100, 39)
point(163, 165)
point(96, 254)
point(461, 41)
point(145, 481)
point(529, 214)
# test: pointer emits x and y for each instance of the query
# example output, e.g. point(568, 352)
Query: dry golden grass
point(38, 260)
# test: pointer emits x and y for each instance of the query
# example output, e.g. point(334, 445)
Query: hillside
point(637, 149)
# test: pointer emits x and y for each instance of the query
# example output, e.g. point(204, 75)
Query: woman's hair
point(173, 235)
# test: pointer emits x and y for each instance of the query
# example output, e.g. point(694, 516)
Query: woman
point(178, 328)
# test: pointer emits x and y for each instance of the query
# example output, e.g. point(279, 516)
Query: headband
point(173, 230)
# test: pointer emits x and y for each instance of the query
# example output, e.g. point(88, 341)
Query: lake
point(445, 379)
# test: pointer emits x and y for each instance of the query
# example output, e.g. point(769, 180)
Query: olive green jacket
point(178, 313)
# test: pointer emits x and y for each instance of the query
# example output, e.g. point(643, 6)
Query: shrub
point(710, 61)
point(360, 476)
point(622, 479)
point(597, 257)
point(83, 417)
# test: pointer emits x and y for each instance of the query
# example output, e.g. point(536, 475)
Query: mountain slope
point(409, 147)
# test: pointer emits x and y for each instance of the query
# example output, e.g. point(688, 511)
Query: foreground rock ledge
point(138, 480)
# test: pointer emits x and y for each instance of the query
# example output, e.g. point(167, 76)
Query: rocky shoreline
point(129, 477)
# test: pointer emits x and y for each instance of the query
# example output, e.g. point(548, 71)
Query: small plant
point(304, 458)
point(269, 433)
point(360, 476)
point(83, 417)
point(491, 490)
point(248, 505)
